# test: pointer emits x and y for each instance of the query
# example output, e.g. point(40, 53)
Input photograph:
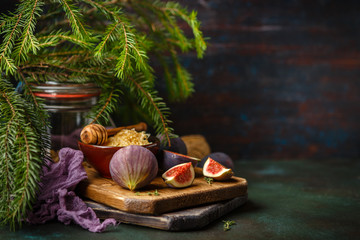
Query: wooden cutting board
point(145, 201)
point(182, 220)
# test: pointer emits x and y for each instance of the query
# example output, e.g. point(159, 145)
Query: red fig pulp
point(216, 171)
point(180, 176)
point(220, 157)
point(133, 167)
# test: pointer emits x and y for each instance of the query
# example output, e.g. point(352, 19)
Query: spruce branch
point(109, 101)
point(110, 13)
point(151, 103)
point(182, 79)
point(109, 36)
point(74, 16)
point(54, 39)
point(28, 41)
point(110, 43)
point(192, 21)
point(6, 63)
point(23, 148)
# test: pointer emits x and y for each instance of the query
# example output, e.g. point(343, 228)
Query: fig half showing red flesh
point(220, 157)
point(180, 176)
point(216, 171)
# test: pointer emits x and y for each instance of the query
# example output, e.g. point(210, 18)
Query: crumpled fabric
point(57, 198)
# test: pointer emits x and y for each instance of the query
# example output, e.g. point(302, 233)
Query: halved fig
point(220, 157)
point(171, 159)
point(180, 176)
point(216, 171)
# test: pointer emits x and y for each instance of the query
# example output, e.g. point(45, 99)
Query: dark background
point(280, 79)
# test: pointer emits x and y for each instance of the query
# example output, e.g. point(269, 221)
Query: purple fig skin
point(171, 159)
point(177, 144)
point(133, 167)
point(220, 157)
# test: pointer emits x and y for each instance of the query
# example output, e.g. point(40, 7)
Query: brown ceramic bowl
point(99, 156)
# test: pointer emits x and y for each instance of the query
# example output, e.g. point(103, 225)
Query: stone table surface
point(288, 199)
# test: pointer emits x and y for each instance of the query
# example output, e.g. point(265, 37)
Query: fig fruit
point(180, 176)
point(133, 167)
point(220, 157)
point(216, 171)
point(171, 159)
point(176, 144)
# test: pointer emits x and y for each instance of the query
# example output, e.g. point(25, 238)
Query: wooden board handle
point(97, 134)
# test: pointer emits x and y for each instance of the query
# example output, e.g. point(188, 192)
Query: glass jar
point(68, 105)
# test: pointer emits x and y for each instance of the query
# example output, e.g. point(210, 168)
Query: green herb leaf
point(155, 193)
point(209, 180)
point(227, 224)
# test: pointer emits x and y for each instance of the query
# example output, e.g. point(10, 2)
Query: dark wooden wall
point(281, 79)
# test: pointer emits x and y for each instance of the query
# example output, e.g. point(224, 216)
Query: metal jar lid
point(66, 90)
point(67, 96)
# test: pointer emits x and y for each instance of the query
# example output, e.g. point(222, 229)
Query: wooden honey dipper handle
point(141, 126)
point(97, 134)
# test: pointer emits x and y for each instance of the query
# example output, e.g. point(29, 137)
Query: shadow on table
point(249, 206)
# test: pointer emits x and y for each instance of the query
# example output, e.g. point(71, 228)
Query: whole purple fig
point(176, 144)
point(171, 159)
point(133, 167)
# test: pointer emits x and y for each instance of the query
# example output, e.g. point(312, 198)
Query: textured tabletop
point(292, 199)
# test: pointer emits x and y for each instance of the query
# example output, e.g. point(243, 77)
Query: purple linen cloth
point(57, 197)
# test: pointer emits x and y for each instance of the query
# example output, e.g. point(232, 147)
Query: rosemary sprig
point(209, 180)
point(155, 193)
point(227, 224)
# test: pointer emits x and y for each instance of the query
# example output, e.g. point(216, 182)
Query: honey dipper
point(97, 134)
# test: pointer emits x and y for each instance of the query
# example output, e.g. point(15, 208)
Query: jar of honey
point(68, 105)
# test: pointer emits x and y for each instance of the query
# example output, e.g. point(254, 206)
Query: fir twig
point(28, 41)
point(103, 108)
point(105, 42)
point(21, 167)
point(150, 102)
point(7, 63)
point(74, 16)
